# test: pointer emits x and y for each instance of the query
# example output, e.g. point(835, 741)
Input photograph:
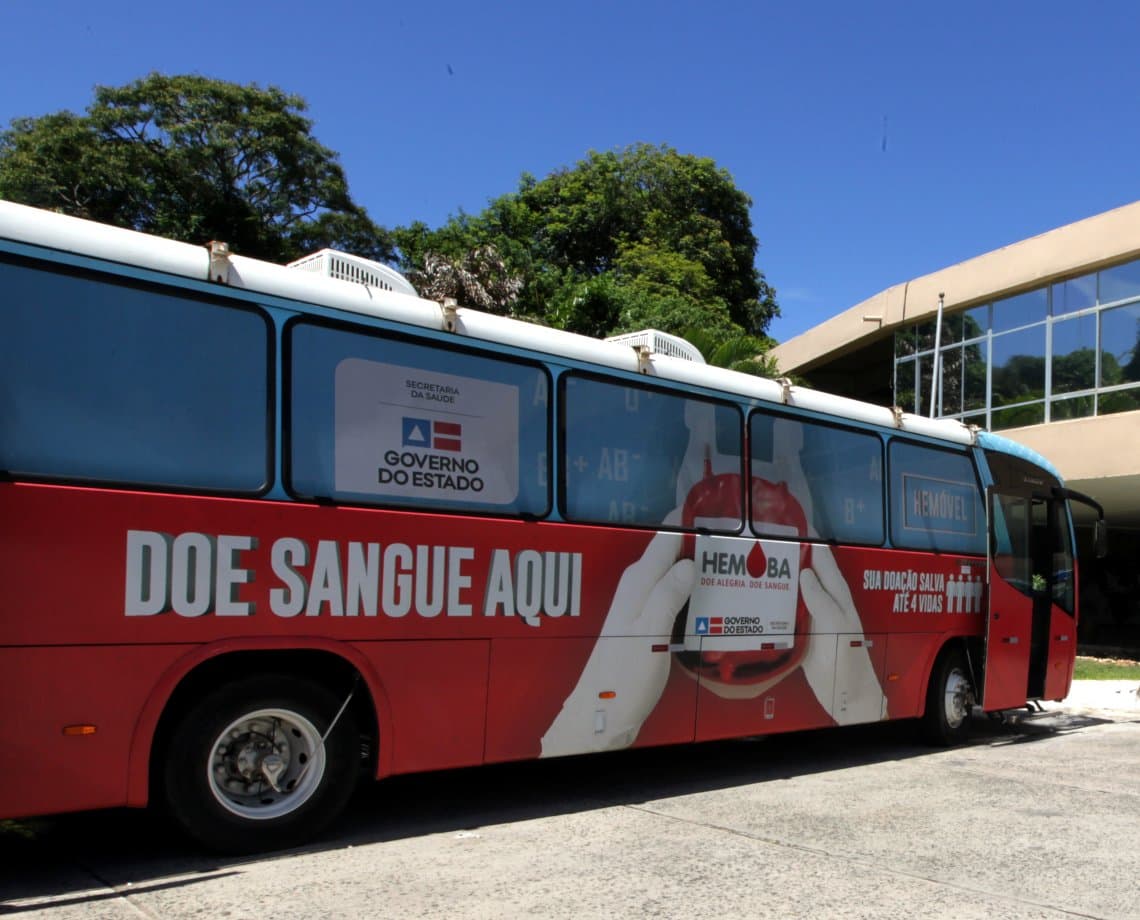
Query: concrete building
point(1039, 340)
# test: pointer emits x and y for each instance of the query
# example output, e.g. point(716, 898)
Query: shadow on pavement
point(99, 855)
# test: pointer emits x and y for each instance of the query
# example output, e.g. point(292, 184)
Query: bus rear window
point(108, 382)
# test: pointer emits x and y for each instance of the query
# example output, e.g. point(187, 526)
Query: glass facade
point(1070, 349)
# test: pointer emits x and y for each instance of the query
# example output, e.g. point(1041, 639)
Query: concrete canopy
point(852, 353)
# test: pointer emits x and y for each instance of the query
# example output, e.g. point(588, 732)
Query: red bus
point(264, 532)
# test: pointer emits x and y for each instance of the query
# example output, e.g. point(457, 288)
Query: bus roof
point(987, 440)
point(213, 263)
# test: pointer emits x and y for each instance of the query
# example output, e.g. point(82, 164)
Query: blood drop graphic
point(757, 561)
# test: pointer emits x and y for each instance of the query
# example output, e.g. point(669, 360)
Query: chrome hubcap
point(266, 764)
point(958, 698)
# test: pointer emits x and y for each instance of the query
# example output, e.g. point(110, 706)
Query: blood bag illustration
point(745, 625)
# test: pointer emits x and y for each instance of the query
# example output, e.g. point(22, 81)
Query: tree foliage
point(744, 353)
point(643, 237)
point(194, 159)
point(636, 238)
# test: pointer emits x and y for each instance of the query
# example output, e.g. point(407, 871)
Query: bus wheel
point(246, 769)
point(949, 700)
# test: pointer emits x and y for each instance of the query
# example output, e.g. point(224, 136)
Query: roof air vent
point(333, 263)
point(660, 343)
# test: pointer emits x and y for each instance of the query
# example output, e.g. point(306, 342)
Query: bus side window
point(104, 381)
point(643, 457)
point(936, 502)
point(385, 420)
point(833, 473)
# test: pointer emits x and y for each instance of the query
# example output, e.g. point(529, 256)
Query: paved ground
point(1039, 817)
point(1109, 695)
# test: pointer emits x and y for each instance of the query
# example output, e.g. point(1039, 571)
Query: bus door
point(1054, 600)
point(1030, 629)
point(1009, 619)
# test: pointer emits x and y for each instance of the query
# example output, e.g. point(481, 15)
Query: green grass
point(1106, 669)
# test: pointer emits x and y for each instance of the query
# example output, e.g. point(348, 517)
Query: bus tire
point(949, 700)
point(245, 769)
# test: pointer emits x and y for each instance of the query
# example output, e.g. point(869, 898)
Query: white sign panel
point(745, 596)
point(412, 433)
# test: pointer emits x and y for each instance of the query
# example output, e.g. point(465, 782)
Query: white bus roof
point(213, 263)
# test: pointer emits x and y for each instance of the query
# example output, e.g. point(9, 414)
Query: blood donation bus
point(265, 531)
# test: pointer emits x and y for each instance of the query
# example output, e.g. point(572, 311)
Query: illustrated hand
point(623, 678)
point(858, 696)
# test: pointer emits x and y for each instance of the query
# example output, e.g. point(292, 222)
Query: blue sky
point(878, 141)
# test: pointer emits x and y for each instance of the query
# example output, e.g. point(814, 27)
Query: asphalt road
point(1035, 818)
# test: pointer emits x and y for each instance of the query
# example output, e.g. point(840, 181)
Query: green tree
point(644, 236)
point(647, 288)
point(194, 159)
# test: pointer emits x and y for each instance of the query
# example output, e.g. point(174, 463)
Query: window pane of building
point(1119, 338)
point(904, 341)
point(925, 336)
point(1030, 307)
point(974, 376)
point(904, 385)
point(1074, 294)
point(1073, 407)
point(1018, 417)
point(977, 322)
point(951, 395)
point(1120, 283)
point(1074, 354)
point(1019, 366)
point(1119, 401)
point(925, 382)
point(952, 328)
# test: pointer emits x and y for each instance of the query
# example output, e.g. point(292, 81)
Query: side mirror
point(1100, 528)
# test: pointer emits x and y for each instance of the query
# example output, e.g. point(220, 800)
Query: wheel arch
point(335, 665)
